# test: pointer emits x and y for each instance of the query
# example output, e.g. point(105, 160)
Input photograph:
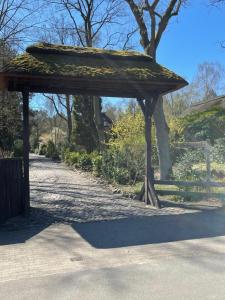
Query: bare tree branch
point(138, 14)
point(16, 17)
point(128, 37)
point(52, 100)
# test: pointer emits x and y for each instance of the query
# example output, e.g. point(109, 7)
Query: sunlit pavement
point(56, 266)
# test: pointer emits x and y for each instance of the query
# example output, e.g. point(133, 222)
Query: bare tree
point(59, 31)
point(152, 18)
point(209, 79)
point(16, 18)
point(62, 105)
point(89, 18)
point(90, 21)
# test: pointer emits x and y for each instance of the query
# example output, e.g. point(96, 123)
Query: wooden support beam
point(148, 193)
point(142, 104)
point(26, 149)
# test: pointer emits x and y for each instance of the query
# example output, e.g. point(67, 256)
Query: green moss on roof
point(55, 61)
point(84, 51)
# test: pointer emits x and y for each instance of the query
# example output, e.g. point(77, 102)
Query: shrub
point(65, 155)
point(55, 155)
point(107, 164)
point(85, 162)
point(121, 166)
point(121, 175)
point(124, 159)
point(72, 158)
point(218, 152)
point(33, 143)
point(183, 169)
point(51, 149)
point(18, 148)
point(42, 149)
point(97, 164)
point(202, 126)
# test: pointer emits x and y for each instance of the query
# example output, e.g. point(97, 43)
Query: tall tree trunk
point(162, 132)
point(98, 121)
point(69, 119)
point(162, 136)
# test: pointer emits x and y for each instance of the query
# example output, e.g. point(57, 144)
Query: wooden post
point(148, 193)
point(208, 162)
point(26, 149)
point(148, 160)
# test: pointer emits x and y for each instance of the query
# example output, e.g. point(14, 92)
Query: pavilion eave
point(80, 86)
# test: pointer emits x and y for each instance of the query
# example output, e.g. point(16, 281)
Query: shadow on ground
point(153, 229)
point(20, 229)
point(133, 231)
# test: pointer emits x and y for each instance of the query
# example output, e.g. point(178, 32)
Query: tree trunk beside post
point(99, 122)
point(69, 119)
point(26, 149)
point(162, 137)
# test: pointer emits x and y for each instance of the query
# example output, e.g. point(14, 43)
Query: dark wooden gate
point(11, 188)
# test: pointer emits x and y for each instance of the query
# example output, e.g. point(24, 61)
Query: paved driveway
point(83, 242)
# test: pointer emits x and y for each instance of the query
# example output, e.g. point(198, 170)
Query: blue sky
point(194, 37)
point(191, 38)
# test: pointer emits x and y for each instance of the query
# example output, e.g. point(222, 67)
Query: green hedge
point(114, 165)
point(18, 148)
point(82, 160)
point(42, 149)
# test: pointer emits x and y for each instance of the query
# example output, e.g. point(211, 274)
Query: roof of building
point(46, 67)
point(218, 102)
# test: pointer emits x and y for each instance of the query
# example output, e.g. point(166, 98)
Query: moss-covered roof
point(84, 51)
point(90, 64)
point(59, 60)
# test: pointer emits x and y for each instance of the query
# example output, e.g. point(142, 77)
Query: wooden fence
point(11, 188)
point(202, 184)
point(184, 186)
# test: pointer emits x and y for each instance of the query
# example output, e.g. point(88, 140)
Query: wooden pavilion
point(60, 69)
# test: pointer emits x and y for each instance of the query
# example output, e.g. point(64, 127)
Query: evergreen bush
point(218, 152)
point(73, 158)
point(183, 169)
point(96, 163)
point(85, 162)
point(42, 149)
point(51, 149)
point(18, 148)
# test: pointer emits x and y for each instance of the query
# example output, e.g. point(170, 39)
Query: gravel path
point(67, 196)
point(61, 195)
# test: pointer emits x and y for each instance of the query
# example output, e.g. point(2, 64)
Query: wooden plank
point(201, 144)
point(199, 195)
point(190, 183)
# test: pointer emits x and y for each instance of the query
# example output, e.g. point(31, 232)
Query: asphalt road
point(163, 278)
